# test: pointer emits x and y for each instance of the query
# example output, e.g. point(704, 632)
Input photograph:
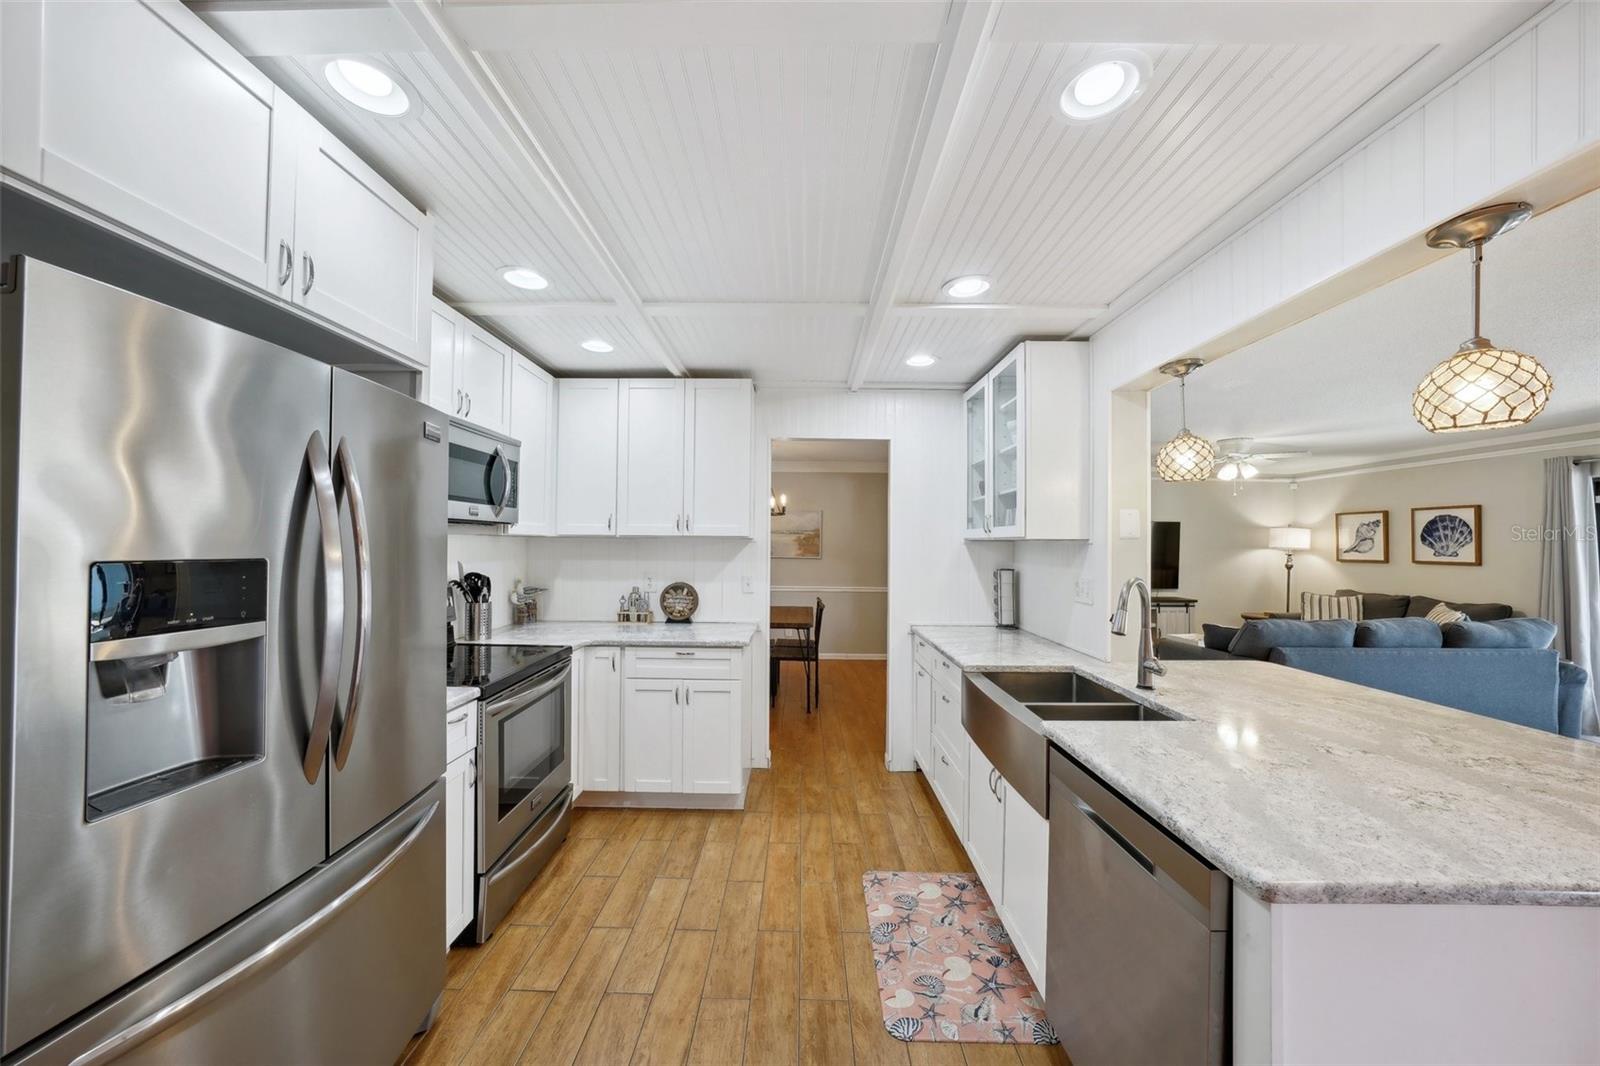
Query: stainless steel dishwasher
point(1137, 953)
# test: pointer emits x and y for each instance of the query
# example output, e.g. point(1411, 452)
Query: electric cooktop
point(493, 668)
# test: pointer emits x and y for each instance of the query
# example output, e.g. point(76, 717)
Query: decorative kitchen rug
point(947, 970)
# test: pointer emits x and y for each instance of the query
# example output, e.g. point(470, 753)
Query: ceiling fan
point(1237, 458)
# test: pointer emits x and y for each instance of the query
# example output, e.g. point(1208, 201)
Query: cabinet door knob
point(311, 274)
point(608, 523)
point(677, 523)
point(469, 405)
point(459, 400)
point(285, 263)
point(688, 523)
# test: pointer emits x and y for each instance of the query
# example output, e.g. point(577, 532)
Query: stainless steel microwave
point(483, 475)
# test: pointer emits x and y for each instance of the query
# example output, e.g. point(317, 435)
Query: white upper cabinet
point(447, 335)
point(483, 377)
point(363, 253)
point(716, 458)
point(533, 424)
point(1027, 454)
point(139, 112)
point(650, 457)
point(586, 457)
point(142, 113)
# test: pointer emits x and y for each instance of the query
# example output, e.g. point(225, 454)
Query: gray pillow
point(1217, 638)
point(1398, 633)
point(1502, 633)
point(1257, 638)
point(1379, 604)
point(1477, 612)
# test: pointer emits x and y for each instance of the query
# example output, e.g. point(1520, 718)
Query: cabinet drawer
point(946, 672)
point(461, 731)
point(923, 653)
point(950, 782)
point(721, 664)
point(947, 725)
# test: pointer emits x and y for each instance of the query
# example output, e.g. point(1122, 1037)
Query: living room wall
point(1226, 565)
point(852, 574)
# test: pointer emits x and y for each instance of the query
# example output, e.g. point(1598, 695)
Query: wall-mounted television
point(1164, 555)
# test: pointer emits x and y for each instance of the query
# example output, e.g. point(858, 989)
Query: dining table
point(799, 619)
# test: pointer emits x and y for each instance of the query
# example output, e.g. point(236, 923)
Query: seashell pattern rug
point(947, 970)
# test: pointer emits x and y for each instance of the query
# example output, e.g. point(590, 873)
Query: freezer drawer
point(341, 967)
point(1137, 943)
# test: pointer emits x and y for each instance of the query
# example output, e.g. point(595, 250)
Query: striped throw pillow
point(1319, 606)
point(1444, 615)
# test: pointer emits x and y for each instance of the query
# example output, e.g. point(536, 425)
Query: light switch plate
point(1082, 592)
point(748, 584)
point(1129, 525)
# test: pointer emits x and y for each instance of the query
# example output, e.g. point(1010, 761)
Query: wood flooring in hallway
point(718, 937)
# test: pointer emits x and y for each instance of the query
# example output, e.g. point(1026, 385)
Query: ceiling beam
point(960, 51)
point(507, 129)
point(1078, 312)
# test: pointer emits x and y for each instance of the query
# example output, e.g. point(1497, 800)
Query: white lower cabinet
point(985, 837)
point(652, 735)
point(922, 719)
point(460, 842)
point(599, 716)
point(712, 738)
point(950, 782)
point(1025, 880)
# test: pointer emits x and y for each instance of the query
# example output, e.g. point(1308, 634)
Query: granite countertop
point(624, 634)
point(456, 695)
point(1306, 789)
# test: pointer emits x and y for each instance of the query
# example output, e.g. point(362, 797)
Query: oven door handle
point(520, 698)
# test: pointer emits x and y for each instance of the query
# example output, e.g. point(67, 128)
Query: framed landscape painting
point(1447, 536)
point(1361, 536)
point(797, 535)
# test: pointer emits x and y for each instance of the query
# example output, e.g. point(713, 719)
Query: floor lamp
point(1289, 539)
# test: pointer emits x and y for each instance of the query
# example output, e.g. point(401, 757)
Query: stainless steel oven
point(524, 786)
point(483, 475)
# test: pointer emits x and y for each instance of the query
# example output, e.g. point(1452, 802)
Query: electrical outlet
point(1082, 591)
point(748, 584)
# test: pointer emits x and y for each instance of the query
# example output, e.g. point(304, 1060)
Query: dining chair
point(803, 651)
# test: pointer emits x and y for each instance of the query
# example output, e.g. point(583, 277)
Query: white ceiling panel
point(1060, 213)
point(966, 343)
point(483, 218)
point(776, 347)
point(556, 342)
point(730, 173)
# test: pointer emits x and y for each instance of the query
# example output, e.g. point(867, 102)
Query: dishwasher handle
point(1116, 837)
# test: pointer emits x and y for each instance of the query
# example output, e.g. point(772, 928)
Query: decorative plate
point(679, 601)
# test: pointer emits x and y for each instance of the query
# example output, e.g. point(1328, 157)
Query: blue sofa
point(1502, 669)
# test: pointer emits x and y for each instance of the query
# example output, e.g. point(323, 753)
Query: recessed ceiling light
point(368, 87)
point(921, 359)
point(966, 285)
point(595, 344)
point(1105, 84)
point(523, 278)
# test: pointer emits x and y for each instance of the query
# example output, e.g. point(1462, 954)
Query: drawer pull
point(683, 653)
point(457, 720)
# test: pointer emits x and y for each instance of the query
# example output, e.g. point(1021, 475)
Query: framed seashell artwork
point(1447, 536)
point(1361, 536)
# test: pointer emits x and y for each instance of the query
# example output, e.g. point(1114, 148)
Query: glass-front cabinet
point(978, 460)
point(1031, 407)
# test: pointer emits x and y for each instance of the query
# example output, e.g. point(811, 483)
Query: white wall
point(1521, 121)
point(852, 576)
point(502, 558)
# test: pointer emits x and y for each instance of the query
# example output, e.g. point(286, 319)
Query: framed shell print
point(1447, 536)
point(1361, 536)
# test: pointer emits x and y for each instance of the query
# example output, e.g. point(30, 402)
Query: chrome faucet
point(1149, 666)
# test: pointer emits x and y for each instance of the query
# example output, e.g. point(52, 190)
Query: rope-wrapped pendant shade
point(1481, 388)
point(1185, 457)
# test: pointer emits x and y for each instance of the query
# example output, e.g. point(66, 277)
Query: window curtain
point(1569, 579)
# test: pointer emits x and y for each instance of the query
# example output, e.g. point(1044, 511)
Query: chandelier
point(1481, 386)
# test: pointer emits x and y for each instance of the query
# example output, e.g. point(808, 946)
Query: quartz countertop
point(626, 634)
point(456, 695)
point(1306, 789)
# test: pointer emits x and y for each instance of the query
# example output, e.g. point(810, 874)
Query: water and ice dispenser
point(176, 676)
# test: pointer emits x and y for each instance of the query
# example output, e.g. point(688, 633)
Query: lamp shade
point(1289, 538)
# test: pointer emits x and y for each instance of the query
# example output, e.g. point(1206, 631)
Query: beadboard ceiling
point(1340, 384)
point(781, 189)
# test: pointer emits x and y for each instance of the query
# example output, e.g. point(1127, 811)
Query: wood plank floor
point(718, 937)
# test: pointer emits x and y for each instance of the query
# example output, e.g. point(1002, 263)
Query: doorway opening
point(828, 573)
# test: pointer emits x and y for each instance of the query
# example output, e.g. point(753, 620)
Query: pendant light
point(1481, 386)
point(1185, 457)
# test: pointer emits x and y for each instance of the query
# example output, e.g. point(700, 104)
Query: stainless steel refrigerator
point(223, 686)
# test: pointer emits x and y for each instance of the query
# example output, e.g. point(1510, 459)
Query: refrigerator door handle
point(153, 1024)
point(358, 661)
point(333, 597)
